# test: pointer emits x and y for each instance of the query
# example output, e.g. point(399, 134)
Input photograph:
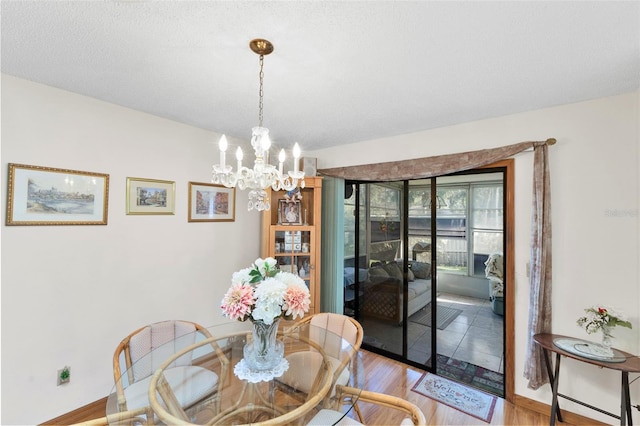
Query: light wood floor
point(394, 378)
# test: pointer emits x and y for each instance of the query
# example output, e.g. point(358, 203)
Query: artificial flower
point(238, 300)
point(264, 293)
point(599, 316)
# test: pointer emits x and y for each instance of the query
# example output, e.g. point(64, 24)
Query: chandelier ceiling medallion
point(263, 174)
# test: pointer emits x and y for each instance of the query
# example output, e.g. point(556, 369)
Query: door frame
point(509, 288)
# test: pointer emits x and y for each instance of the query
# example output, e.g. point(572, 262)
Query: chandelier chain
point(261, 91)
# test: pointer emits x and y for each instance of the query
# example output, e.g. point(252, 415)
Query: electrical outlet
point(64, 375)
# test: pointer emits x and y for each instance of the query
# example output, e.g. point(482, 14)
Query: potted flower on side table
point(603, 319)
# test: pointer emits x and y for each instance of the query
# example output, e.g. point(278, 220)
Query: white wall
point(595, 189)
point(71, 293)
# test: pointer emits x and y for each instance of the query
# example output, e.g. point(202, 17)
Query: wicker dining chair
point(139, 417)
point(345, 396)
point(297, 375)
point(134, 354)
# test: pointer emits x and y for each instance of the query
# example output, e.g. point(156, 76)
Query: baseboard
point(567, 416)
point(93, 410)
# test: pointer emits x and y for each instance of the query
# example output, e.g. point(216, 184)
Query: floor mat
point(456, 395)
point(444, 316)
point(474, 375)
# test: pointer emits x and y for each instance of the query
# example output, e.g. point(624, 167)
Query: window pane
point(487, 206)
point(349, 231)
point(487, 242)
point(451, 222)
point(452, 254)
point(385, 213)
point(385, 202)
point(484, 244)
point(350, 225)
point(483, 201)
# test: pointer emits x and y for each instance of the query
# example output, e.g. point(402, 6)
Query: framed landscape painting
point(150, 196)
point(211, 203)
point(49, 196)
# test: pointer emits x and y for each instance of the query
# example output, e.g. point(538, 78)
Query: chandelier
point(263, 175)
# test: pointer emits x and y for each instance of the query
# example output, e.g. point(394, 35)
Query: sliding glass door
point(374, 267)
point(415, 273)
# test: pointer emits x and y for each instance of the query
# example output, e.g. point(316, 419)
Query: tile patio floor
point(475, 336)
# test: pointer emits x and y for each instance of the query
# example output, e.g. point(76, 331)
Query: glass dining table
point(200, 380)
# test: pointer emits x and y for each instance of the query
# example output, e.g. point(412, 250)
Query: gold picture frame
point(150, 196)
point(211, 203)
point(40, 195)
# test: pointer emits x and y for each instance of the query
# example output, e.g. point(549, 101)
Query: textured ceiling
point(341, 71)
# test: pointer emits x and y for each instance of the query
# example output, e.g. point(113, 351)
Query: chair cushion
point(416, 288)
point(393, 269)
point(421, 269)
point(161, 338)
point(331, 417)
point(410, 275)
point(303, 367)
point(377, 274)
point(189, 383)
point(340, 327)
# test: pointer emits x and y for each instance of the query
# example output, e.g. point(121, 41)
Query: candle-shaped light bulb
point(223, 147)
point(296, 157)
point(265, 141)
point(239, 156)
point(281, 157)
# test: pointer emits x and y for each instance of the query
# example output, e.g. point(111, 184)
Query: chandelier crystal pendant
point(263, 175)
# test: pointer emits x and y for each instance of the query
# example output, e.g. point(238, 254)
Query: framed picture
point(150, 196)
point(48, 196)
point(290, 212)
point(211, 203)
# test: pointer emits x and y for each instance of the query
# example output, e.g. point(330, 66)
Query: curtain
point(540, 269)
point(332, 265)
point(540, 261)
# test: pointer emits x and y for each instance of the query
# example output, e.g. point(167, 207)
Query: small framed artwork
point(150, 196)
point(211, 203)
point(290, 212)
point(49, 196)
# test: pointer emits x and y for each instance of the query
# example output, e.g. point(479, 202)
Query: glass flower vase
point(264, 351)
point(606, 337)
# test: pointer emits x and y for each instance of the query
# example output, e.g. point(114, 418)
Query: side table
point(561, 345)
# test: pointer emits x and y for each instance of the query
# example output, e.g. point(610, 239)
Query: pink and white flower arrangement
point(264, 293)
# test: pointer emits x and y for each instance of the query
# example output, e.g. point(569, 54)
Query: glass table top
point(194, 379)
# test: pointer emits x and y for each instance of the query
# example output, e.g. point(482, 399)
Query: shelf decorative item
point(603, 319)
point(263, 295)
